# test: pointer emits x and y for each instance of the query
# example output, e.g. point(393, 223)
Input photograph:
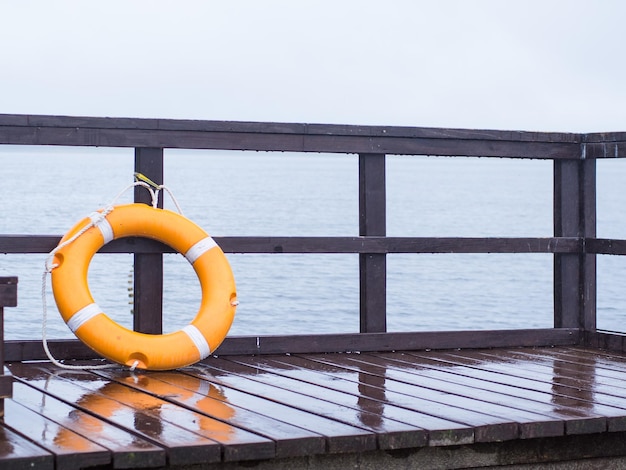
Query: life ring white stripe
point(198, 340)
point(83, 315)
point(103, 224)
point(199, 249)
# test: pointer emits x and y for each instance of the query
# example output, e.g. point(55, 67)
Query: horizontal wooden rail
point(157, 133)
point(322, 343)
point(604, 145)
point(605, 246)
point(248, 127)
point(605, 150)
point(45, 243)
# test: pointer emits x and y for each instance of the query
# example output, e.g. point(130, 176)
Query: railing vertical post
point(8, 298)
point(148, 267)
point(575, 216)
point(589, 307)
point(372, 222)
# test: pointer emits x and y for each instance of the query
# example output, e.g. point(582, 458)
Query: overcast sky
point(553, 65)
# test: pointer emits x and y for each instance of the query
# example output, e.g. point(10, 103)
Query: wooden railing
point(8, 298)
point(573, 245)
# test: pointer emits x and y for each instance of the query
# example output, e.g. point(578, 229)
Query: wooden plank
point(397, 341)
point(445, 425)
point(608, 149)
point(341, 436)
point(6, 384)
point(296, 143)
point(298, 128)
point(27, 350)
point(188, 435)
point(597, 357)
point(575, 216)
point(382, 245)
point(18, 453)
point(189, 438)
point(8, 298)
point(582, 390)
point(372, 293)
point(561, 394)
point(376, 431)
point(609, 341)
point(370, 244)
point(285, 141)
point(588, 260)
point(442, 133)
point(70, 449)
point(605, 246)
point(127, 450)
point(492, 417)
point(149, 162)
point(600, 359)
point(204, 397)
point(585, 381)
point(372, 195)
point(110, 137)
point(439, 147)
point(599, 137)
point(46, 243)
point(534, 375)
point(8, 291)
point(567, 223)
point(373, 413)
point(575, 420)
point(580, 416)
point(372, 222)
point(611, 374)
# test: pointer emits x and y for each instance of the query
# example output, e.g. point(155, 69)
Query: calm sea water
point(46, 191)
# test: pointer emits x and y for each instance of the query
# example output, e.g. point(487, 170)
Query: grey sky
point(552, 65)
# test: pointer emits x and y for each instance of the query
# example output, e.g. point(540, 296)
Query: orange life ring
point(113, 341)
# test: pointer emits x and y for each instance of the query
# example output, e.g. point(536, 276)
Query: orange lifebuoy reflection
point(147, 405)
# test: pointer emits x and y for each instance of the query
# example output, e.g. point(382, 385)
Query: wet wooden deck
point(245, 408)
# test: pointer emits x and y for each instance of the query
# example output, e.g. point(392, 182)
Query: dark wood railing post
point(8, 298)
point(148, 267)
point(575, 216)
point(589, 279)
point(372, 222)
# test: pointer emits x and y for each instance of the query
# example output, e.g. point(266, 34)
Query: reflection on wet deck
point(239, 408)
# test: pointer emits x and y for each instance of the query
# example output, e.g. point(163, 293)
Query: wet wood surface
point(245, 408)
